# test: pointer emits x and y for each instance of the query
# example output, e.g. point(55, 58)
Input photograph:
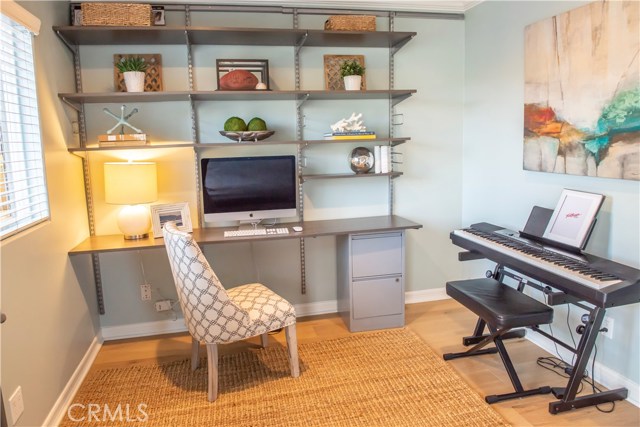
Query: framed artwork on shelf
point(157, 13)
point(178, 212)
point(76, 14)
point(152, 75)
point(242, 74)
point(332, 78)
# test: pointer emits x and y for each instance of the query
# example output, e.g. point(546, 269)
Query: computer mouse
point(297, 228)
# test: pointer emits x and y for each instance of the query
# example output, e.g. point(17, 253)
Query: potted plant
point(133, 69)
point(352, 73)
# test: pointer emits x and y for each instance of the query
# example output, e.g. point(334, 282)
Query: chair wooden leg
point(212, 365)
point(195, 354)
point(264, 340)
point(292, 347)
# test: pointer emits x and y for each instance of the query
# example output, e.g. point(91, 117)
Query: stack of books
point(350, 135)
point(382, 157)
point(122, 139)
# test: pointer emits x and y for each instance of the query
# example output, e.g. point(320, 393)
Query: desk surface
point(115, 242)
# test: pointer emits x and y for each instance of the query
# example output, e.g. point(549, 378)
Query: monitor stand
point(253, 224)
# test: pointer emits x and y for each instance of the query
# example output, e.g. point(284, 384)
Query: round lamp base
point(134, 222)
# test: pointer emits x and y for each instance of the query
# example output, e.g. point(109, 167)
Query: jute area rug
point(382, 378)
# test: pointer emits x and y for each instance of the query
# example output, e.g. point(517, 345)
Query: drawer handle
point(397, 279)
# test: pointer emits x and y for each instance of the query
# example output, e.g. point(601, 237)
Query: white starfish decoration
point(353, 123)
point(122, 120)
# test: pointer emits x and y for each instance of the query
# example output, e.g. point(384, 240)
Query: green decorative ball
point(235, 124)
point(256, 124)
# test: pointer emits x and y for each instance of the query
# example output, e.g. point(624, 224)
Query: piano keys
point(593, 279)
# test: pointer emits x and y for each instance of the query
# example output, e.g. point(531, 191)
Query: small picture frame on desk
point(178, 212)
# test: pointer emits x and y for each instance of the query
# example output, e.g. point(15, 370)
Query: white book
point(385, 156)
point(376, 159)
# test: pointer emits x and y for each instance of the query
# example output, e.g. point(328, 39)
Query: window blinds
point(23, 191)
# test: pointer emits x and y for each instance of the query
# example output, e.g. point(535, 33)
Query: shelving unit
point(75, 36)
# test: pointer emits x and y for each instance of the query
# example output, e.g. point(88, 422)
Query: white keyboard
point(256, 232)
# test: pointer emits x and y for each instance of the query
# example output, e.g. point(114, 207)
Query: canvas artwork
point(582, 92)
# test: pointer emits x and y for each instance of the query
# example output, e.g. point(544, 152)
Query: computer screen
point(248, 188)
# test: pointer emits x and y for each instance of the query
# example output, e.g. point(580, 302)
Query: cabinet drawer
point(378, 297)
point(376, 254)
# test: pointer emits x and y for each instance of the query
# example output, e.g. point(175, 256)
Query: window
point(23, 190)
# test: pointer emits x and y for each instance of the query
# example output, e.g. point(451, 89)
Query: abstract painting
point(582, 92)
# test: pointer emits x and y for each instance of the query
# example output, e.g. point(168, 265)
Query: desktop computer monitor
point(248, 189)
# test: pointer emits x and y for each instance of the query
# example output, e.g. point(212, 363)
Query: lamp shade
point(130, 183)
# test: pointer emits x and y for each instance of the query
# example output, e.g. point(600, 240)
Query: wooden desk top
point(116, 243)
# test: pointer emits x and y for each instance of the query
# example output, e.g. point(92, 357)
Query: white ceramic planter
point(134, 80)
point(352, 82)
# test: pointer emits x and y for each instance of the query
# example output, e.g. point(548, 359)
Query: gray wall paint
point(51, 316)
point(497, 190)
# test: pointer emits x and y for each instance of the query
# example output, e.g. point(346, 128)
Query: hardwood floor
point(440, 324)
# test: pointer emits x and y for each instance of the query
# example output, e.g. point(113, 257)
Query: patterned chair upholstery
point(214, 315)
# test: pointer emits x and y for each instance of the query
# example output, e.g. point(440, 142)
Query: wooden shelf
point(178, 35)
point(396, 95)
point(347, 175)
point(391, 141)
point(130, 147)
point(333, 227)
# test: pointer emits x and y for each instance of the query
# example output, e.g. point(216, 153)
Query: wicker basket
point(351, 23)
point(116, 14)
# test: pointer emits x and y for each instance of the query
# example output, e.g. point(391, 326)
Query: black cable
point(546, 301)
point(557, 366)
point(595, 388)
point(573, 358)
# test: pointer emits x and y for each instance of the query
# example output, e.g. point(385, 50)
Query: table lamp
point(131, 184)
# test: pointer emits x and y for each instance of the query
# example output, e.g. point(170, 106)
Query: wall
point(433, 63)
point(497, 190)
point(51, 317)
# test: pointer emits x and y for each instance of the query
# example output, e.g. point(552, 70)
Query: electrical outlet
point(608, 323)
point(16, 403)
point(145, 292)
point(163, 305)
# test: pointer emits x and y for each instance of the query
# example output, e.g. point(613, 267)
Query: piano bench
point(501, 308)
point(499, 305)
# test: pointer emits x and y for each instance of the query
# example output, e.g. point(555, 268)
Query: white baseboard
point(306, 309)
point(144, 329)
point(315, 308)
point(603, 375)
point(59, 409)
point(426, 295)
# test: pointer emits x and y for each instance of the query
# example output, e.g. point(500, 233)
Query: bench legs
point(496, 337)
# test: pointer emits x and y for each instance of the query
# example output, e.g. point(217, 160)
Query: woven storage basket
point(116, 14)
point(351, 23)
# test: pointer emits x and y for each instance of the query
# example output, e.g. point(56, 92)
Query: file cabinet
point(371, 280)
